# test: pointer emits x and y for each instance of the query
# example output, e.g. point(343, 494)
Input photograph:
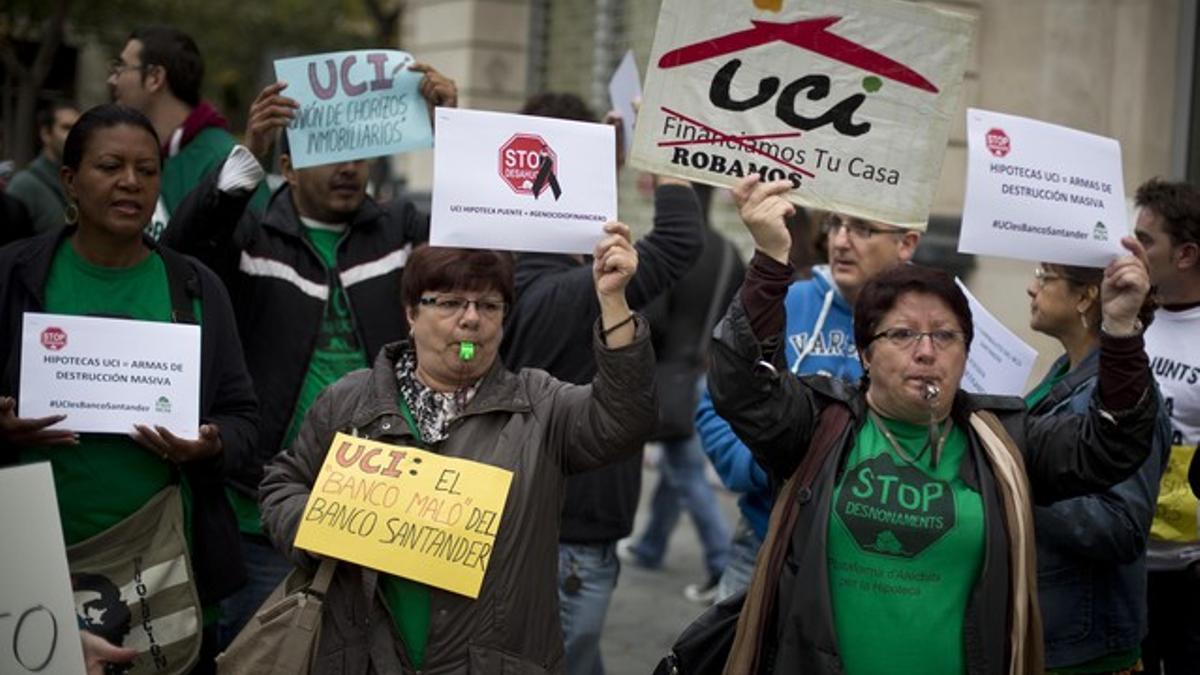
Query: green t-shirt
point(336, 352)
point(107, 477)
point(906, 544)
point(408, 600)
point(1043, 389)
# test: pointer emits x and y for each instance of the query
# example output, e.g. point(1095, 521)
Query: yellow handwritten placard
point(407, 512)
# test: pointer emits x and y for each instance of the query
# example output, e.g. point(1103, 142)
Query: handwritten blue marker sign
point(354, 105)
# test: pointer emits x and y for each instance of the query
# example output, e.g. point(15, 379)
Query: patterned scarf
point(431, 410)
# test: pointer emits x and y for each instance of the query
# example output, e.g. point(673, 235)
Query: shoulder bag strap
point(179, 278)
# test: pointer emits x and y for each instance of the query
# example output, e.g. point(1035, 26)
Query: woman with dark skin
point(101, 265)
point(1091, 549)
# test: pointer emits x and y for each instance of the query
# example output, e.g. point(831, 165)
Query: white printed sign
point(38, 629)
point(624, 88)
point(1039, 191)
point(850, 100)
point(523, 183)
point(106, 375)
point(999, 362)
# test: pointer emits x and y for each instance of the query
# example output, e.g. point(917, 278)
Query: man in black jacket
point(549, 327)
point(315, 283)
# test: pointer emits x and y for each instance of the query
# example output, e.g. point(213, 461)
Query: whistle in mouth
point(931, 391)
point(466, 351)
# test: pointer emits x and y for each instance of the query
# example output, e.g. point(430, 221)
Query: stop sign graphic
point(521, 162)
point(998, 142)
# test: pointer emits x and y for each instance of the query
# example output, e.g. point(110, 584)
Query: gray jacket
point(539, 428)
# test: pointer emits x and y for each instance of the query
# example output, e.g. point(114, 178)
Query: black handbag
point(704, 646)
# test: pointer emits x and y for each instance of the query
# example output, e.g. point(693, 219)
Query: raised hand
point(437, 89)
point(1123, 291)
point(269, 113)
point(763, 209)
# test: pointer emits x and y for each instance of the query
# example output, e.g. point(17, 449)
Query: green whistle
point(466, 350)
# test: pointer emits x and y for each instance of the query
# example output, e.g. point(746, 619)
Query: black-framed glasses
point(117, 66)
point(855, 227)
point(453, 305)
point(906, 338)
point(1043, 277)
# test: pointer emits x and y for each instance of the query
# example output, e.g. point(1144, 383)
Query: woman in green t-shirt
point(112, 488)
point(902, 540)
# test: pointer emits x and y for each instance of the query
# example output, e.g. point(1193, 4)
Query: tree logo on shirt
point(54, 338)
point(894, 510)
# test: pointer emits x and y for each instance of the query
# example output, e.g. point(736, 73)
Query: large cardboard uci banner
point(850, 100)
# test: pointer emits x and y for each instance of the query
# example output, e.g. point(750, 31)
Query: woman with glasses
point(443, 389)
point(1092, 549)
point(902, 541)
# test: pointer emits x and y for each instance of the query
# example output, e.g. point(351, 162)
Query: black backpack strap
point(183, 285)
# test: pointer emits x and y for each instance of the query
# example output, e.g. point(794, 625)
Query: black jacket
point(677, 318)
point(1065, 455)
point(226, 395)
point(550, 327)
point(279, 287)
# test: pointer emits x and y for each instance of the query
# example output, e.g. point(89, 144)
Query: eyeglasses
point(447, 306)
point(117, 66)
point(905, 338)
point(857, 229)
point(1043, 277)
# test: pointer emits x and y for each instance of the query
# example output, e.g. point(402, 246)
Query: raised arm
point(1071, 455)
point(608, 420)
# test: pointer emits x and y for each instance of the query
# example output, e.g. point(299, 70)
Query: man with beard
point(314, 283)
point(159, 73)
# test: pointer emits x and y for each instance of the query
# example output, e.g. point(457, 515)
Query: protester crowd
point(834, 403)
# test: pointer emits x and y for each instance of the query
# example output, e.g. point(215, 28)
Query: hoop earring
point(71, 214)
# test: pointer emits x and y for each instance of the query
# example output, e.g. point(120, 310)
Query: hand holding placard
point(763, 209)
point(172, 448)
point(26, 432)
point(1123, 291)
point(269, 113)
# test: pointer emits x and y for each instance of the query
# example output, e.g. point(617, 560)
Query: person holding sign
point(903, 538)
point(445, 390)
point(139, 513)
point(1091, 550)
point(548, 328)
point(1168, 225)
point(314, 283)
point(820, 338)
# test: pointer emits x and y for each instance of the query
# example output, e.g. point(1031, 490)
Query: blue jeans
point(582, 609)
point(742, 558)
point(683, 484)
point(266, 568)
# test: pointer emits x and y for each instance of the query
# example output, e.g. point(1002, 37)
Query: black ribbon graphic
point(546, 173)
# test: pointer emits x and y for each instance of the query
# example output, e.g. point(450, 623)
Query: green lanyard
point(408, 417)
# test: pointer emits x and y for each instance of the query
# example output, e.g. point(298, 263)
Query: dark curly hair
point(1178, 204)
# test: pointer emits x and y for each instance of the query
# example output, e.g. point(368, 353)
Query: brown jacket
point(539, 428)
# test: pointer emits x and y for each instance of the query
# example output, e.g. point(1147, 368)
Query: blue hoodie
point(820, 338)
